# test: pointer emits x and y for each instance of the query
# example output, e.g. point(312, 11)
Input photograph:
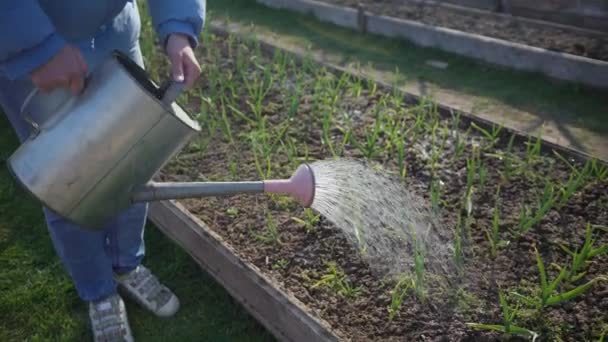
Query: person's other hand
point(67, 69)
point(184, 66)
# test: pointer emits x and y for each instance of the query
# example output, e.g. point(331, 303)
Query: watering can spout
point(301, 187)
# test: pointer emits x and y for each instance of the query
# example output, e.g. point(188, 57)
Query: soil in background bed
point(242, 137)
point(550, 38)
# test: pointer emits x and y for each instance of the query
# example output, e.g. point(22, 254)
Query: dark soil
point(547, 37)
point(297, 259)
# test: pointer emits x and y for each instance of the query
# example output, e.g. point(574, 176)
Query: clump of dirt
point(548, 37)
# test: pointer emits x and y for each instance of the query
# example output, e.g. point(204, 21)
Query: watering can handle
point(27, 117)
point(171, 91)
point(63, 93)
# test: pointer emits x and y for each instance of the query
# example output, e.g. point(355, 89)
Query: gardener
point(54, 44)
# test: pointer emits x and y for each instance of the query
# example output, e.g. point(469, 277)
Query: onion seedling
point(582, 257)
point(546, 296)
point(527, 220)
point(492, 136)
point(336, 280)
point(310, 220)
point(271, 234)
point(575, 181)
point(508, 316)
point(418, 266)
point(493, 235)
point(398, 293)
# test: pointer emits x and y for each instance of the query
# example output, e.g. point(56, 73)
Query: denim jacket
point(33, 31)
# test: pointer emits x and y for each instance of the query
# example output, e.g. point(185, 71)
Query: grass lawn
point(39, 302)
point(526, 91)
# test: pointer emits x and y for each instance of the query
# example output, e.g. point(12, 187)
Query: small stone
point(437, 64)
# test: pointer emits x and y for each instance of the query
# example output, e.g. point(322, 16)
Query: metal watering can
point(93, 155)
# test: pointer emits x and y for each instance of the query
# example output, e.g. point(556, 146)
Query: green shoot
point(271, 235)
point(327, 123)
point(533, 150)
point(460, 146)
point(458, 253)
point(435, 194)
point(371, 137)
point(600, 170)
point(527, 220)
point(418, 266)
point(582, 257)
point(471, 169)
point(508, 158)
point(398, 294)
point(336, 280)
point(483, 175)
point(226, 123)
point(310, 221)
point(400, 145)
point(507, 327)
point(493, 235)
point(492, 136)
point(546, 296)
point(575, 181)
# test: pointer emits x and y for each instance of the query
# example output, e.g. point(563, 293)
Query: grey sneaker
point(141, 285)
point(109, 320)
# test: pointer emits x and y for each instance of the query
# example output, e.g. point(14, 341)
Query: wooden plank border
point(282, 314)
point(557, 65)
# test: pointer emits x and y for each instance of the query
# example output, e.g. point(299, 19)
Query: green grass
point(39, 302)
point(527, 91)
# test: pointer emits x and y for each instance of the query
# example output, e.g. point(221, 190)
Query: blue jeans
point(91, 257)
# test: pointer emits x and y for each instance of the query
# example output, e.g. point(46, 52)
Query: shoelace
point(107, 321)
point(149, 287)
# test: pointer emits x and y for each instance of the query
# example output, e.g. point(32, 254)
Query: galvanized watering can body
point(88, 153)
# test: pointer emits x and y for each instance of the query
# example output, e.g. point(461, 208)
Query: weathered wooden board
point(282, 314)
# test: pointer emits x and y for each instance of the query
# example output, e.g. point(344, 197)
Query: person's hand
point(67, 69)
point(184, 66)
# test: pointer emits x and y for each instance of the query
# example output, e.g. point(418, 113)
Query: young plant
point(458, 252)
point(492, 136)
point(369, 149)
point(507, 327)
point(483, 175)
point(575, 181)
point(435, 194)
point(533, 150)
point(327, 124)
point(547, 296)
point(336, 280)
point(468, 195)
point(509, 157)
point(600, 170)
point(527, 219)
point(271, 235)
point(400, 147)
point(493, 235)
point(460, 145)
point(398, 293)
point(419, 283)
point(310, 221)
point(581, 258)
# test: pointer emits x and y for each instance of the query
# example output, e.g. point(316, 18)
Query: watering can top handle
point(23, 111)
point(171, 91)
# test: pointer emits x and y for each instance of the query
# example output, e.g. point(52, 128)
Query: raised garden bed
point(476, 45)
point(497, 200)
point(559, 38)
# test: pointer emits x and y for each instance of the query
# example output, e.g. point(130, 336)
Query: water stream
point(379, 216)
